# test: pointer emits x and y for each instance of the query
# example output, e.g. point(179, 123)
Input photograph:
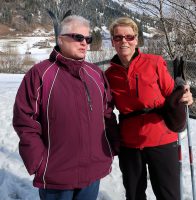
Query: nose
point(124, 40)
point(83, 42)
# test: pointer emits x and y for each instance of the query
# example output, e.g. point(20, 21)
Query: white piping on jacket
point(49, 128)
point(38, 89)
point(106, 96)
point(92, 69)
point(36, 109)
point(101, 83)
point(102, 112)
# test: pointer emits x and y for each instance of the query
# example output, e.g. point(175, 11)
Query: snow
point(15, 182)
point(18, 46)
point(129, 6)
point(21, 44)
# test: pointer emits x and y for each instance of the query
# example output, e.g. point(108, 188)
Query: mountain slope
point(23, 16)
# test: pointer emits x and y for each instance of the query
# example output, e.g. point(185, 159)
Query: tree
point(177, 19)
point(97, 41)
point(6, 15)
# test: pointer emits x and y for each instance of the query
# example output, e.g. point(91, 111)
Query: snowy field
point(15, 183)
point(31, 49)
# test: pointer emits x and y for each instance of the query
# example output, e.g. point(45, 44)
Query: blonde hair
point(123, 21)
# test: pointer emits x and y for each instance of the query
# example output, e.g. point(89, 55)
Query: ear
point(112, 42)
point(136, 41)
point(59, 41)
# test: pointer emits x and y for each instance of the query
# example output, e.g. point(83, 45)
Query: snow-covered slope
point(15, 183)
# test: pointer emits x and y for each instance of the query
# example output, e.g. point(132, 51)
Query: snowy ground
point(31, 49)
point(15, 183)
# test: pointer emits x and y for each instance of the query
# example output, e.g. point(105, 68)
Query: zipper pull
point(91, 108)
point(88, 96)
point(137, 85)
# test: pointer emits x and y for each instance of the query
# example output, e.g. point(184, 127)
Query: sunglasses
point(119, 38)
point(79, 37)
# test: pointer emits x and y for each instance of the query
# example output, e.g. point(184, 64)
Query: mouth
point(82, 50)
point(124, 47)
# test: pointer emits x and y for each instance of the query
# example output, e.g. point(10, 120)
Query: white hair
point(66, 24)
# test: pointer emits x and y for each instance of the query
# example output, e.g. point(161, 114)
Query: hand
point(116, 148)
point(187, 96)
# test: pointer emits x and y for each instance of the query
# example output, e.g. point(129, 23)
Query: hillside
point(24, 16)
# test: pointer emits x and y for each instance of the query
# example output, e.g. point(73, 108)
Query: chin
point(79, 57)
point(125, 54)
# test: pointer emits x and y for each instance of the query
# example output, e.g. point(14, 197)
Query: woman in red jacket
point(140, 83)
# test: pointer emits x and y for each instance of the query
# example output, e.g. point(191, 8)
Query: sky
point(15, 182)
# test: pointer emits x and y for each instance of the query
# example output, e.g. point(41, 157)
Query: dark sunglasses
point(119, 38)
point(79, 37)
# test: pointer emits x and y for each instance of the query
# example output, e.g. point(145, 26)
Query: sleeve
point(166, 82)
point(26, 123)
point(111, 126)
point(173, 112)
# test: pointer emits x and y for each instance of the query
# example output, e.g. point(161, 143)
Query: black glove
point(174, 112)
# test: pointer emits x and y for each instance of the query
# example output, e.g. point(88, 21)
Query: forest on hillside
point(169, 25)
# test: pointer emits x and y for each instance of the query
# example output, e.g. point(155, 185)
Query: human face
point(71, 48)
point(124, 48)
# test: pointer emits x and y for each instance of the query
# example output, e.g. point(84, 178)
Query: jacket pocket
point(101, 149)
point(41, 167)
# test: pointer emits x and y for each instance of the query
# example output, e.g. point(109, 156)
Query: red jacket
point(145, 84)
point(59, 116)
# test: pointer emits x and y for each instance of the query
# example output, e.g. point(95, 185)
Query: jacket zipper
point(90, 105)
point(88, 97)
point(137, 85)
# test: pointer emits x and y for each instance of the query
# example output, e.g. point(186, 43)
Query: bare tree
point(178, 23)
point(184, 27)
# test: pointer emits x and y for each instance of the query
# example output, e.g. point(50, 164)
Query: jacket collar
point(71, 65)
point(116, 60)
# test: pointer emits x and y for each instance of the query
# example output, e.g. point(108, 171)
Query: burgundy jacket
point(61, 113)
point(144, 85)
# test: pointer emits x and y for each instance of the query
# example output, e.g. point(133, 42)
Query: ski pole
point(190, 153)
point(180, 164)
point(177, 72)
